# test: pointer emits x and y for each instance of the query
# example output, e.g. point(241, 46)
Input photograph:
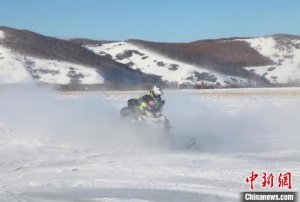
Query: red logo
point(268, 180)
point(251, 179)
point(283, 179)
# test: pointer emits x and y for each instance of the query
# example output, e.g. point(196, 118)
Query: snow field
point(57, 147)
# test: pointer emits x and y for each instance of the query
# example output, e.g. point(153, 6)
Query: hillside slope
point(257, 61)
point(47, 57)
point(168, 68)
point(225, 56)
point(284, 51)
point(26, 56)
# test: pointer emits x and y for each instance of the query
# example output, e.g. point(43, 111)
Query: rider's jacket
point(151, 103)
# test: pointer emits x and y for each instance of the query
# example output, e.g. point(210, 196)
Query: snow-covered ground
point(285, 53)
point(68, 146)
point(169, 69)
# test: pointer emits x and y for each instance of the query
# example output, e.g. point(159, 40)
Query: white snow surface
point(148, 62)
point(11, 69)
point(285, 53)
point(58, 72)
point(2, 35)
point(65, 147)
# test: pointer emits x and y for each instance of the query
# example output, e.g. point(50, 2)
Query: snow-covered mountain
point(284, 51)
point(262, 61)
point(11, 69)
point(17, 68)
point(256, 61)
point(26, 57)
point(169, 69)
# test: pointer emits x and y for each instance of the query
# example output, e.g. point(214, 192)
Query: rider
point(151, 102)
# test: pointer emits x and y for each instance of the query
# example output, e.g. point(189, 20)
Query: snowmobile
point(155, 120)
point(154, 125)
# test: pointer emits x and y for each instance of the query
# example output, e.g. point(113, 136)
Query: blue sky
point(156, 20)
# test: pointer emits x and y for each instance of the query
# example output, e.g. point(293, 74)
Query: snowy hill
point(26, 56)
point(226, 56)
point(233, 62)
point(284, 51)
point(260, 61)
point(170, 70)
point(11, 69)
point(16, 68)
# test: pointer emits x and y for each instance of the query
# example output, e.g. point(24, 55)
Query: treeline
point(84, 42)
point(108, 86)
point(144, 86)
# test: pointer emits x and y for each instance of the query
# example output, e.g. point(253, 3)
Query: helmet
point(157, 91)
